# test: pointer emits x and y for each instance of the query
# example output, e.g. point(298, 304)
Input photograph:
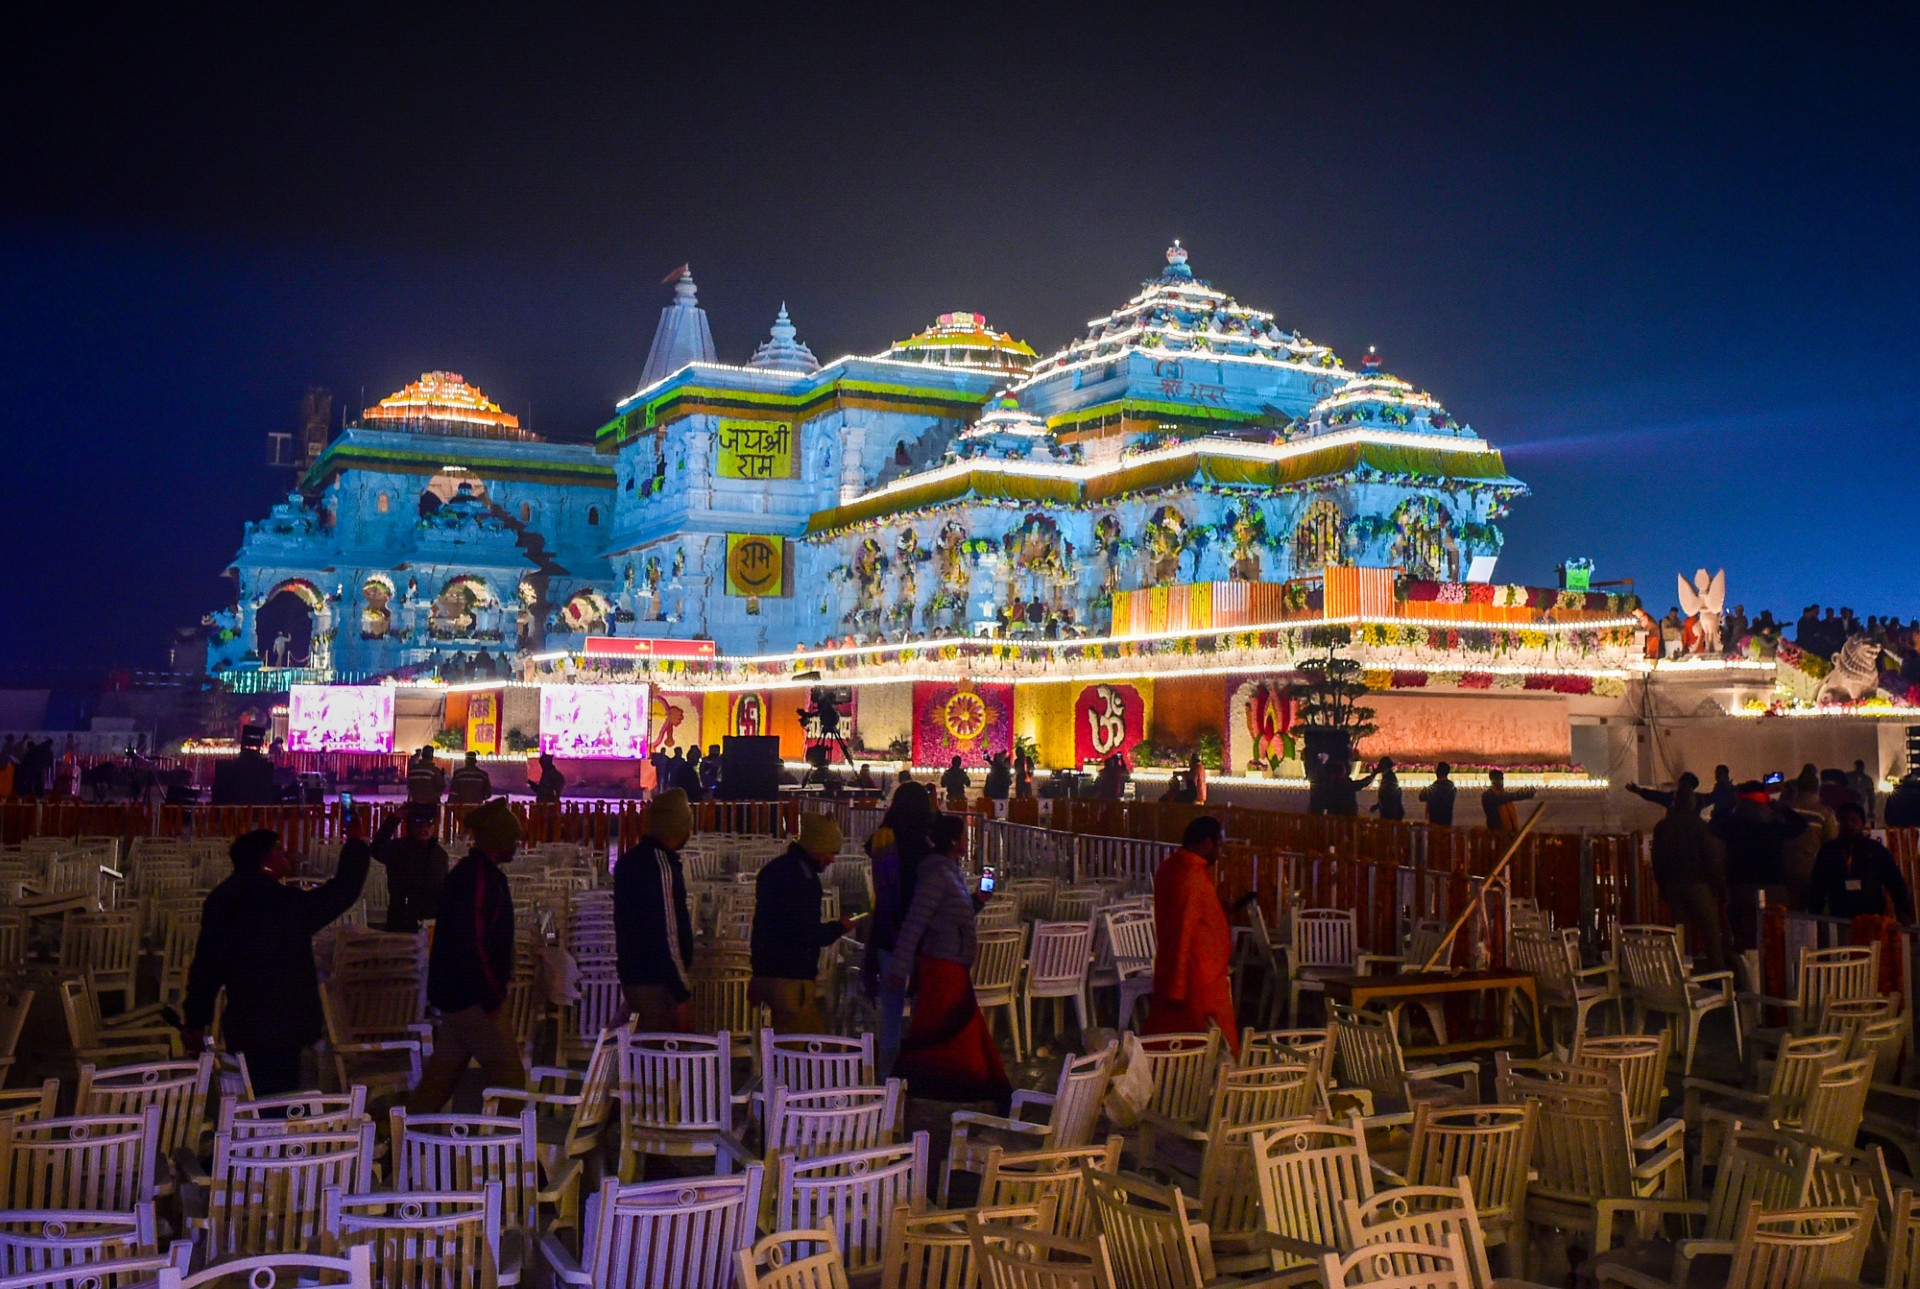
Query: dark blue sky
point(1665, 257)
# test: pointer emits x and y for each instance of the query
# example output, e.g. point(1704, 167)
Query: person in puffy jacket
point(652, 927)
point(471, 964)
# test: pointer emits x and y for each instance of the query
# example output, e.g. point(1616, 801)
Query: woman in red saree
point(948, 1053)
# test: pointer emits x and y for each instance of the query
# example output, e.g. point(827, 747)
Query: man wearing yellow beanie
point(787, 931)
point(652, 929)
point(470, 964)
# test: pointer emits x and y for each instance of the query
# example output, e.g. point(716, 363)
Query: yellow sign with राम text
point(756, 449)
point(483, 722)
point(756, 564)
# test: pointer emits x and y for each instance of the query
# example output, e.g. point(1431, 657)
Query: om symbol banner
point(1107, 719)
point(965, 720)
point(755, 449)
point(756, 564)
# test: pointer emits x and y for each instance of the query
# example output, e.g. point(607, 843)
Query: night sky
point(1664, 257)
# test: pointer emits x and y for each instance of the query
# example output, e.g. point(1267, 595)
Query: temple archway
point(1423, 540)
point(462, 608)
point(587, 612)
point(283, 625)
point(376, 614)
point(1317, 537)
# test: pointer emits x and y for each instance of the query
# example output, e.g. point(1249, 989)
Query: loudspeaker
point(750, 767)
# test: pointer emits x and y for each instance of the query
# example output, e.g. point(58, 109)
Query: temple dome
point(441, 402)
point(963, 340)
point(1381, 402)
point(1178, 313)
point(782, 352)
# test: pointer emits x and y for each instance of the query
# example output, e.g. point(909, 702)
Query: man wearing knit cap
point(470, 965)
point(787, 931)
point(652, 929)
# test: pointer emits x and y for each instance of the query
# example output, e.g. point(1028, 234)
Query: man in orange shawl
point(1191, 987)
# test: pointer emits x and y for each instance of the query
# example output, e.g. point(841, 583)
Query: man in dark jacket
point(547, 789)
point(256, 942)
point(1855, 876)
point(788, 932)
point(426, 781)
point(1755, 834)
point(1691, 875)
point(1439, 796)
point(471, 965)
point(999, 783)
point(416, 866)
point(1688, 782)
point(652, 929)
point(470, 784)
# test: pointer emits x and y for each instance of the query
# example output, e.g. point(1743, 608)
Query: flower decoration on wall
point(1166, 538)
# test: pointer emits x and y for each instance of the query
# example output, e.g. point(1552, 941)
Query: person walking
point(470, 965)
point(416, 867)
point(256, 943)
point(1193, 943)
point(652, 928)
point(896, 849)
point(948, 1052)
point(788, 931)
point(1498, 804)
point(1438, 796)
point(1691, 873)
point(470, 784)
point(1855, 876)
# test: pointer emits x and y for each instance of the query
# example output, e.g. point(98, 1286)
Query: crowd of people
point(1818, 630)
point(919, 941)
point(1800, 843)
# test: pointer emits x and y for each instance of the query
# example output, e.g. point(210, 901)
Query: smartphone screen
point(346, 810)
point(986, 879)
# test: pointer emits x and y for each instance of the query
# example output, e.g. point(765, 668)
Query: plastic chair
point(1072, 1110)
point(683, 1233)
point(420, 1240)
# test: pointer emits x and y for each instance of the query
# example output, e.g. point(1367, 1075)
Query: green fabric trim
point(350, 456)
point(1174, 413)
point(659, 409)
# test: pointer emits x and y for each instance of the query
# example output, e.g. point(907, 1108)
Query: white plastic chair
point(1058, 959)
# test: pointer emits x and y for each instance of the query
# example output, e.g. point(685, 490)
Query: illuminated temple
point(1132, 540)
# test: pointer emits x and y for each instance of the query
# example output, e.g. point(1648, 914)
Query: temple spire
point(782, 352)
point(683, 335)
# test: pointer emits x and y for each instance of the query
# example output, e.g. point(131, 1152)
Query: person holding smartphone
point(256, 944)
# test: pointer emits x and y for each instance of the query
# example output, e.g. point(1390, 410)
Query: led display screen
point(605, 721)
point(340, 718)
